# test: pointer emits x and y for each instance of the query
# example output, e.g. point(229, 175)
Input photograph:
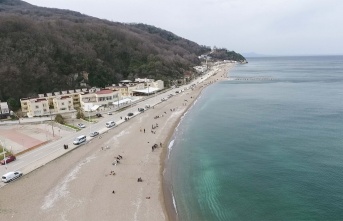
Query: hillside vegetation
point(44, 50)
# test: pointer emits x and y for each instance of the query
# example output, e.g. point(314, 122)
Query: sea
point(266, 144)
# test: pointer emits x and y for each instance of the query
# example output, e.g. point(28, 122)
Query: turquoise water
point(269, 150)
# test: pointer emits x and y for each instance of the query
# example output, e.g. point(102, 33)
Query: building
point(35, 107)
point(150, 87)
point(95, 98)
point(4, 110)
point(63, 104)
point(126, 89)
point(58, 102)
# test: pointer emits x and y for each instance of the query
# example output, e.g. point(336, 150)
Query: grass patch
point(71, 126)
point(7, 153)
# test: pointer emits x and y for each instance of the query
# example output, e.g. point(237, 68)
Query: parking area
point(21, 137)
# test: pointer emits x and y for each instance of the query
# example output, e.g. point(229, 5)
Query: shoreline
point(85, 184)
point(167, 188)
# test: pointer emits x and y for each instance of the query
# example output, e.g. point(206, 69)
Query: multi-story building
point(67, 101)
point(58, 102)
point(126, 89)
point(95, 97)
point(63, 104)
point(36, 107)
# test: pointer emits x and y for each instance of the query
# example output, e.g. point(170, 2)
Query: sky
point(267, 27)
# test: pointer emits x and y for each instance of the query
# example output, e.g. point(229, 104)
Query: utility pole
point(89, 119)
point(52, 125)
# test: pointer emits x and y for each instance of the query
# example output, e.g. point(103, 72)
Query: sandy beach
point(89, 184)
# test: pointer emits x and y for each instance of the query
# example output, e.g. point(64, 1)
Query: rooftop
point(104, 92)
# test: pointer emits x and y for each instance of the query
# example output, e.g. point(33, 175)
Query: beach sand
point(81, 184)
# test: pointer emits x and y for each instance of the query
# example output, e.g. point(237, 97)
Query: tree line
point(46, 50)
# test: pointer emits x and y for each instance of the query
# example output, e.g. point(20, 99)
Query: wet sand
point(85, 185)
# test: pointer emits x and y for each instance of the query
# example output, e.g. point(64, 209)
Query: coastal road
point(55, 148)
point(46, 153)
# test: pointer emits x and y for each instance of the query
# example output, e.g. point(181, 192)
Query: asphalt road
point(50, 150)
point(47, 150)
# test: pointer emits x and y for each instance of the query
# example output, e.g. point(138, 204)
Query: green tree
point(79, 114)
point(59, 119)
point(13, 104)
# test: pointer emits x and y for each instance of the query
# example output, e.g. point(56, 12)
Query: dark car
point(141, 109)
point(8, 160)
point(94, 134)
point(130, 114)
point(98, 115)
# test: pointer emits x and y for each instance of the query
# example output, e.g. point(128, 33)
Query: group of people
point(158, 116)
point(117, 160)
point(155, 146)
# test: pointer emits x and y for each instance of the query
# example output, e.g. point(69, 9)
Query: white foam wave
point(170, 147)
point(61, 189)
point(174, 203)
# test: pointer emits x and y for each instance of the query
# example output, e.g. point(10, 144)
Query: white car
point(81, 125)
point(110, 124)
point(94, 134)
point(11, 176)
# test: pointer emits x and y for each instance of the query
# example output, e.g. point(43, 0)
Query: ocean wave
point(170, 147)
point(174, 203)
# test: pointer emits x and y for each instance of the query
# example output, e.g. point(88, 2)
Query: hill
point(44, 50)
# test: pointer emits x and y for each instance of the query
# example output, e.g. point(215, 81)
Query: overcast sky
point(270, 27)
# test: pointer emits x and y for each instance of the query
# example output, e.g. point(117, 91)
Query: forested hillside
point(44, 50)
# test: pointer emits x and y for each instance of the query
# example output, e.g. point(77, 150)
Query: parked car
point(8, 159)
point(81, 125)
point(11, 176)
point(98, 115)
point(141, 109)
point(130, 114)
point(110, 124)
point(163, 99)
point(109, 113)
point(94, 134)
